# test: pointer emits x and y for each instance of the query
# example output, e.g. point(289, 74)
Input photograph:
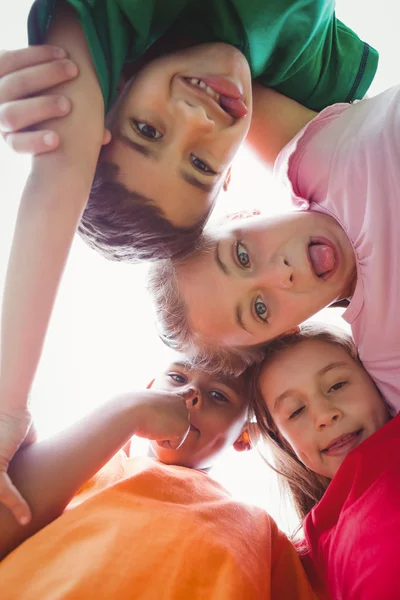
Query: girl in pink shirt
point(335, 448)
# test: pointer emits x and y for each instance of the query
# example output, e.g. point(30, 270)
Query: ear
point(150, 385)
point(247, 438)
point(106, 137)
point(227, 179)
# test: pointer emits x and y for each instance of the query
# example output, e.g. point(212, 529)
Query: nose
point(193, 398)
point(326, 415)
point(279, 274)
point(193, 118)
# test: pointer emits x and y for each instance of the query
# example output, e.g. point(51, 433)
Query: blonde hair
point(305, 487)
point(173, 323)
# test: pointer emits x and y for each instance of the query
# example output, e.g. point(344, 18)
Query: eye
point(242, 256)
point(337, 386)
point(178, 378)
point(201, 166)
point(218, 396)
point(296, 413)
point(147, 131)
point(260, 309)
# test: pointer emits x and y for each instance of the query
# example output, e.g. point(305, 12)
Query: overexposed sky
point(102, 340)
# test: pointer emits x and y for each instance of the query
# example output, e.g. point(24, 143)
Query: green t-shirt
point(298, 47)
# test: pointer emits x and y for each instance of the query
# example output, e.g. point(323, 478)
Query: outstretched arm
point(276, 120)
point(50, 473)
point(51, 205)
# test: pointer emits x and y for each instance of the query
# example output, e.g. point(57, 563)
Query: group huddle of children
point(182, 85)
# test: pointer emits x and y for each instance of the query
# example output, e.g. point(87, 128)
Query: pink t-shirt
point(346, 163)
point(353, 533)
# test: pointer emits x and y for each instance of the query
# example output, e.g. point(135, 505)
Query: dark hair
point(125, 226)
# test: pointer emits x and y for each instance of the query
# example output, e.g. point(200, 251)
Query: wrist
point(12, 400)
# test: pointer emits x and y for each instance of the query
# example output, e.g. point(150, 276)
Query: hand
point(15, 430)
point(24, 76)
point(163, 416)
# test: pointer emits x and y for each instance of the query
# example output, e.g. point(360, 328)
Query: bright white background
point(102, 338)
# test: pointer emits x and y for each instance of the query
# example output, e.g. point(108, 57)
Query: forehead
point(161, 182)
point(307, 358)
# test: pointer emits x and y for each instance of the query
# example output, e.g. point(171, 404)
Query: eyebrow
point(239, 318)
point(148, 152)
point(204, 187)
point(219, 262)
point(145, 150)
point(320, 373)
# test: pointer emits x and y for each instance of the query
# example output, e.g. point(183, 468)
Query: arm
point(276, 120)
point(51, 206)
point(49, 473)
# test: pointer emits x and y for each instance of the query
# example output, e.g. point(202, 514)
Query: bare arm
point(276, 120)
point(50, 209)
point(49, 473)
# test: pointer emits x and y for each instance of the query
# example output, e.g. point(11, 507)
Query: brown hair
point(124, 226)
point(305, 487)
point(173, 323)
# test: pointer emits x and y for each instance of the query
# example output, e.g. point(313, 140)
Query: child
point(254, 280)
point(336, 449)
point(180, 122)
point(142, 527)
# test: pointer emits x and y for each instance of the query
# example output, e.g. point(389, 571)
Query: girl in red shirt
point(335, 447)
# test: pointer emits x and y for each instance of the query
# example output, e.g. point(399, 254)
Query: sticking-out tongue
point(234, 106)
point(322, 258)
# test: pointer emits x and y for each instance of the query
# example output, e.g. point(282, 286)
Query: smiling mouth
point(224, 93)
point(343, 443)
point(322, 257)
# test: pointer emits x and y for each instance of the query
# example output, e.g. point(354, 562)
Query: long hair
point(305, 487)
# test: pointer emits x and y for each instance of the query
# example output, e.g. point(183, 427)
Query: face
point(323, 403)
point(217, 417)
point(178, 127)
point(266, 275)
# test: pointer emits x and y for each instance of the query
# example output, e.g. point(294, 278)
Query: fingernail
point(70, 68)
point(62, 104)
point(59, 53)
point(24, 520)
point(50, 138)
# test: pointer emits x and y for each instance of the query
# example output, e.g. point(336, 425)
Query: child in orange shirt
point(150, 527)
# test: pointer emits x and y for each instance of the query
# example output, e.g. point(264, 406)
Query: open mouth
point(322, 257)
point(344, 443)
point(225, 93)
point(193, 428)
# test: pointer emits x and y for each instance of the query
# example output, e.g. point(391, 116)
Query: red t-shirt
point(354, 531)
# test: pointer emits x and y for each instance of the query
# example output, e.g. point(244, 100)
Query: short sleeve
point(326, 62)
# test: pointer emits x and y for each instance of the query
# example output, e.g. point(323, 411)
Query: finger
point(14, 60)
point(176, 443)
point(12, 499)
point(33, 80)
point(21, 114)
point(33, 142)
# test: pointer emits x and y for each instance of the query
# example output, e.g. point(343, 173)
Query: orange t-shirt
point(144, 530)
